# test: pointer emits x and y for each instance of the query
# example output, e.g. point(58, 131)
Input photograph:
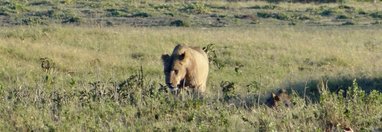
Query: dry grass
point(272, 57)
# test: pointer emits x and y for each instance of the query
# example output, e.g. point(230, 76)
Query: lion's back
point(202, 66)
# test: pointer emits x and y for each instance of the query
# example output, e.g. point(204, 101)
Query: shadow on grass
point(310, 89)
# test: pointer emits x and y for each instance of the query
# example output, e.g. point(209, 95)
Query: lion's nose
point(172, 88)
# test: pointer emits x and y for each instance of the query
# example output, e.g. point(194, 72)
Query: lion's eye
point(176, 71)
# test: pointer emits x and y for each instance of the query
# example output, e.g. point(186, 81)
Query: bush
point(116, 12)
point(71, 19)
point(349, 107)
point(228, 89)
point(195, 7)
point(180, 23)
point(328, 12)
point(141, 14)
point(377, 14)
point(276, 15)
point(343, 16)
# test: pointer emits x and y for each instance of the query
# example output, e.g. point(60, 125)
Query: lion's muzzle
point(172, 88)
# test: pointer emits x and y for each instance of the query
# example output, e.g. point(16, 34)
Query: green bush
point(377, 14)
point(328, 12)
point(350, 106)
point(180, 23)
point(275, 15)
point(141, 14)
point(195, 7)
point(116, 12)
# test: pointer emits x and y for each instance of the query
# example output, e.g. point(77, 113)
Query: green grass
point(102, 69)
point(196, 13)
point(97, 82)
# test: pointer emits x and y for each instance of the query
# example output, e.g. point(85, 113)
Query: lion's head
point(175, 68)
point(279, 99)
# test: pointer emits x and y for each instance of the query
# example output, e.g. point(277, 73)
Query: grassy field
point(187, 14)
point(111, 78)
point(88, 76)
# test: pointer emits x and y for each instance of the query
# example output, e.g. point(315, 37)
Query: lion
point(280, 98)
point(186, 67)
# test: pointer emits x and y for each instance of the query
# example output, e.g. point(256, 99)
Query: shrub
point(343, 16)
point(328, 12)
point(377, 14)
point(116, 12)
point(180, 23)
point(141, 14)
point(264, 14)
point(275, 15)
point(195, 7)
point(213, 57)
point(228, 89)
point(348, 23)
point(71, 19)
point(348, 107)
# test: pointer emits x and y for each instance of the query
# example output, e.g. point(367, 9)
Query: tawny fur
point(186, 67)
point(278, 99)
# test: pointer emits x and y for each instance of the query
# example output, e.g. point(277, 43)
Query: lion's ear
point(182, 56)
point(275, 97)
point(165, 59)
point(282, 91)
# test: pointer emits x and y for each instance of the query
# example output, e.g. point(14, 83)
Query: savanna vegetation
point(95, 65)
point(187, 13)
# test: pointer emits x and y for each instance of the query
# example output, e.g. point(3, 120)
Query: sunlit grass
point(274, 53)
point(272, 57)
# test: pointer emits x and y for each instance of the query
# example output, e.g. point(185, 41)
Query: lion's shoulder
point(200, 50)
point(191, 49)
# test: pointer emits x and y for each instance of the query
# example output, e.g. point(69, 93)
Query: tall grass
point(110, 78)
